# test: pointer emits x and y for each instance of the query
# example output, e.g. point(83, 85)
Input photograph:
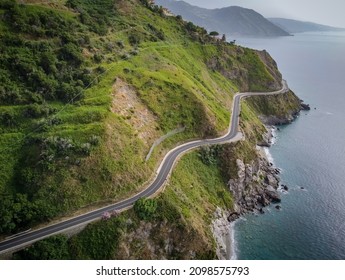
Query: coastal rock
point(305, 107)
point(271, 179)
point(274, 120)
point(222, 233)
point(237, 186)
point(273, 194)
point(277, 171)
point(233, 217)
point(255, 186)
point(267, 137)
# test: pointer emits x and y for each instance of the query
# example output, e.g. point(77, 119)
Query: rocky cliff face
point(222, 234)
point(256, 182)
point(277, 110)
point(255, 186)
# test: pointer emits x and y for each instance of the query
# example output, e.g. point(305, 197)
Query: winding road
point(162, 174)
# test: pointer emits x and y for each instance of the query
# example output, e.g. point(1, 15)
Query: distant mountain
point(233, 20)
point(295, 26)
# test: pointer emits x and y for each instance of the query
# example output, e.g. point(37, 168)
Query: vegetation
point(209, 155)
point(214, 33)
point(178, 215)
point(279, 106)
point(52, 248)
point(65, 140)
point(145, 209)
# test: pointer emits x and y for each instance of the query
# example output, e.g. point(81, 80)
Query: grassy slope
point(180, 226)
point(181, 219)
point(166, 68)
point(171, 76)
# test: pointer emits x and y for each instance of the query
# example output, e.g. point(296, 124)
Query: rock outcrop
point(305, 107)
point(255, 186)
point(222, 234)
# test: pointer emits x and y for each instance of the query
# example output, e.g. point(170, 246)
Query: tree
point(214, 33)
point(191, 26)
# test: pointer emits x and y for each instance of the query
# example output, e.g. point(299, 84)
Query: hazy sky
point(330, 12)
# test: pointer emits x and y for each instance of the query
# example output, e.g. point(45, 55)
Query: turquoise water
point(311, 153)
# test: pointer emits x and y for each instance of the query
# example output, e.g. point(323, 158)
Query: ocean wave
point(274, 135)
point(268, 155)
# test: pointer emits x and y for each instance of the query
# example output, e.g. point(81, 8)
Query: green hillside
point(86, 88)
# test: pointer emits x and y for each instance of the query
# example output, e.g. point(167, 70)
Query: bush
point(70, 93)
point(8, 119)
point(52, 248)
point(210, 154)
point(134, 39)
point(98, 58)
point(98, 241)
point(145, 209)
point(71, 53)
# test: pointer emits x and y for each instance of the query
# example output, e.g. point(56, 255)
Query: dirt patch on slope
point(127, 104)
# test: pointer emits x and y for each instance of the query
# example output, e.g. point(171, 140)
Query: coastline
point(263, 152)
point(306, 228)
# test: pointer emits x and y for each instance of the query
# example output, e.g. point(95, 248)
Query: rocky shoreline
point(257, 183)
point(256, 186)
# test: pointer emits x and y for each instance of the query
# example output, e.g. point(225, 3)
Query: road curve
point(162, 175)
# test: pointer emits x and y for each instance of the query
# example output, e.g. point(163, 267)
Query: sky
point(329, 12)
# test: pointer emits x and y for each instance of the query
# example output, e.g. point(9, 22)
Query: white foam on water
point(233, 246)
point(268, 155)
point(274, 135)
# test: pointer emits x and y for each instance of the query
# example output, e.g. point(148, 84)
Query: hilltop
point(233, 21)
point(86, 88)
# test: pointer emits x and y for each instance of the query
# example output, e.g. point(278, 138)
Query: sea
point(311, 154)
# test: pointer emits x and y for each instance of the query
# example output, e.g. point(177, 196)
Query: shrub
point(145, 209)
point(71, 53)
point(209, 154)
point(8, 119)
point(52, 248)
point(134, 39)
point(102, 239)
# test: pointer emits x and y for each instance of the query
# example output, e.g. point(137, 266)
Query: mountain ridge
point(297, 26)
point(234, 20)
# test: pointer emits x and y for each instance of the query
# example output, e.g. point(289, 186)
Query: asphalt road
point(162, 175)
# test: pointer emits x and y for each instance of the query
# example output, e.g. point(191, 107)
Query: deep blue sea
point(311, 153)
